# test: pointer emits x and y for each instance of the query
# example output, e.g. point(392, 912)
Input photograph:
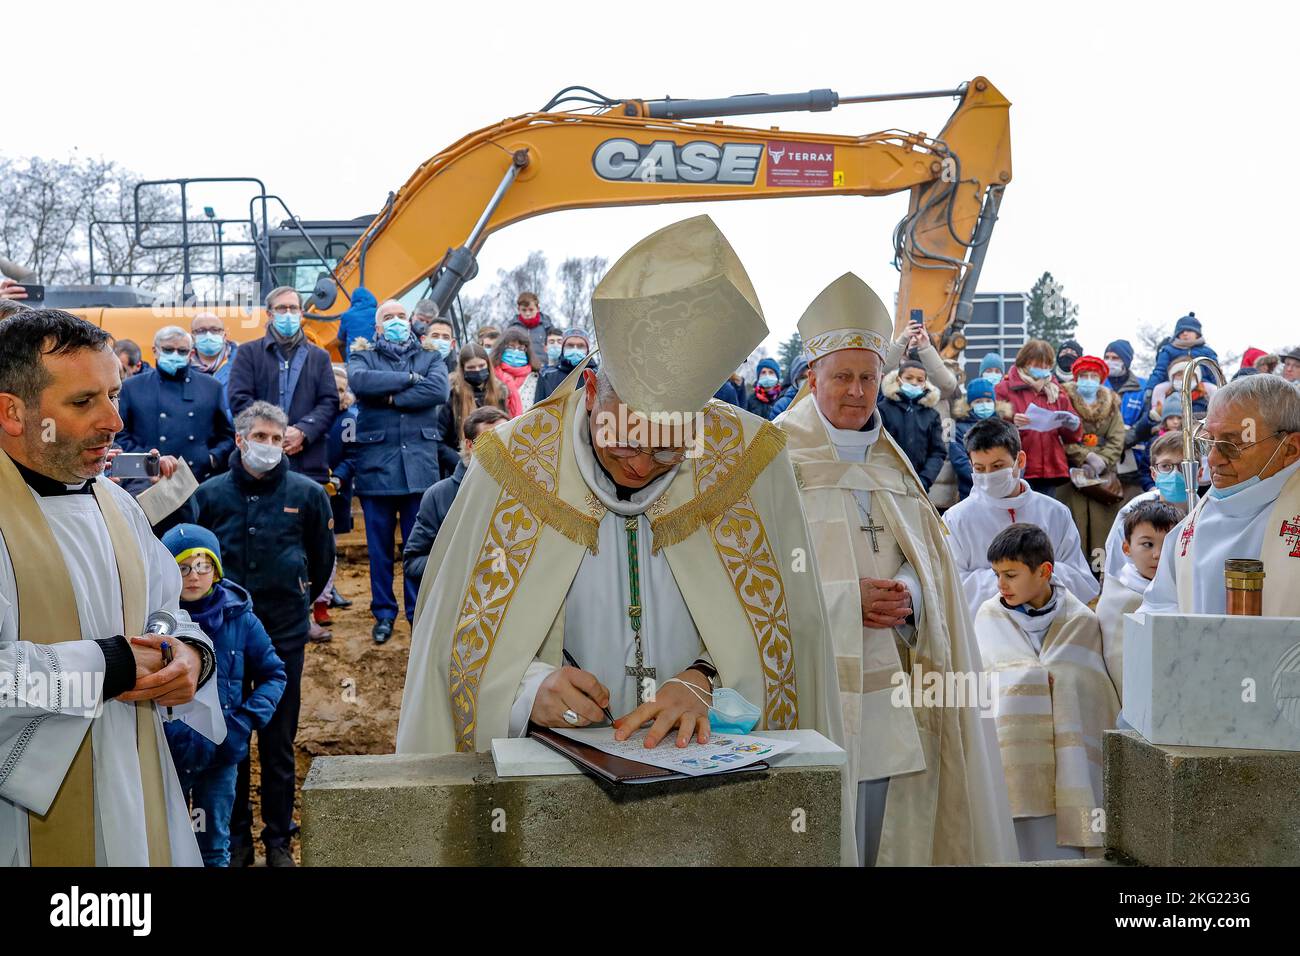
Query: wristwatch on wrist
point(707, 669)
point(207, 659)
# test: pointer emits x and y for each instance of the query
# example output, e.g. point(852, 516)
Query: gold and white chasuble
point(946, 801)
point(492, 599)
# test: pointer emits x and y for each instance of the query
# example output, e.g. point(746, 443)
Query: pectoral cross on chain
point(871, 528)
point(639, 672)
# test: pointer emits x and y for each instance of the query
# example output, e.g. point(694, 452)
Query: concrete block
point(1200, 806)
point(454, 810)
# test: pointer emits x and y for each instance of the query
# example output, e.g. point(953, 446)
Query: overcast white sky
point(1153, 144)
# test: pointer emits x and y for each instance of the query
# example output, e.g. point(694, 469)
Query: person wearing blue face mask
point(575, 344)
point(554, 345)
point(1029, 382)
point(176, 410)
point(213, 351)
point(514, 362)
point(1251, 441)
point(979, 404)
point(1166, 453)
point(992, 368)
point(908, 410)
point(1097, 454)
point(289, 371)
point(399, 382)
point(761, 401)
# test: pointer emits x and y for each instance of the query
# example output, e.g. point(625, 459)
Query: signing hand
point(570, 689)
point(673, 706)
point(294, 439)
point(885, 603)
point(167, 686)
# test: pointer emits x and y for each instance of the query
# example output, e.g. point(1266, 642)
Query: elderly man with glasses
point(1250, 439)
point(176, 410)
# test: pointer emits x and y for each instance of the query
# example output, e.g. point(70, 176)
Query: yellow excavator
point(609, 152)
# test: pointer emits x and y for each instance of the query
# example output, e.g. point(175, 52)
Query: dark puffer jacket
point(244, 652)
point(914, 423)
point(277, 540)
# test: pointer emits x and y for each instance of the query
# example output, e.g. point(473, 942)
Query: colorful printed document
point(723, 752)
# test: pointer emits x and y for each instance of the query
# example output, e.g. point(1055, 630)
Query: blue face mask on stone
point(209, 343)
point(1171, 486)
point(982, 409)
point(767, 381)
point(1088, 389)
point(397, 330)
point(732, 714)
point(515, 358)
point(170, 362)
point(912, 391)
point(574, 357)
point(553, 353)
point(287, 324)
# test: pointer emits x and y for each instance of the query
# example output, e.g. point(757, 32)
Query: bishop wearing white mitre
point(930, 783)
point(86, 777)
point(633, 523)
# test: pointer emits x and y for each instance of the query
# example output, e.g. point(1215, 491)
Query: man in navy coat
point(176, 409)
point(399, 384)
point(288, 371)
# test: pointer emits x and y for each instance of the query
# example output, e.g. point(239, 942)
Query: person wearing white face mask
point(275, 528)
point(1001, 497)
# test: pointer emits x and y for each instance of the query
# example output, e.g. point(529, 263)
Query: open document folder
point(595, 751)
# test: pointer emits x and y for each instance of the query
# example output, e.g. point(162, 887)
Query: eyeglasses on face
point(286, 309)
point(662, 456)
point(196, 567)
point(1229, 450)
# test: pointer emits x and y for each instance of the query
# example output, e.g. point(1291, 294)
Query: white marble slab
point(1208, 680)
point(526, 757)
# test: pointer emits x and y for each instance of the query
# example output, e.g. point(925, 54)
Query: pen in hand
point(572, 663)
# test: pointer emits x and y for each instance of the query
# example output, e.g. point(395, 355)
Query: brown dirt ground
point(351, 687)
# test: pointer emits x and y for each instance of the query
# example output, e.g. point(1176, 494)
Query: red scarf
point(512, 378)
point(767, 395)
point(532, 323)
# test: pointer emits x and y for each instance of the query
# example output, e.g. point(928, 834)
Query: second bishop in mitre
point(930, 789)
point(652, 562)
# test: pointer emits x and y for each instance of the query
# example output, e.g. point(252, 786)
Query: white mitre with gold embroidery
point(847, 314)
point(675, 316)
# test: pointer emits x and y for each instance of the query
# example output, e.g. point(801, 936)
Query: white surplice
point(597, 630)
point(1232, 527)
point(975, 522)
point(40, 734)
point(1115, 556)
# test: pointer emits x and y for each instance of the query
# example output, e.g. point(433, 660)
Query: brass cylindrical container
point(1244, 581)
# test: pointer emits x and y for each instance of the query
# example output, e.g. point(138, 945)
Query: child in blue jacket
point(225, 612)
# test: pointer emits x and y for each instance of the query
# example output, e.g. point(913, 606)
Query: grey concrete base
point(454, 810)
point(1201, 806)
